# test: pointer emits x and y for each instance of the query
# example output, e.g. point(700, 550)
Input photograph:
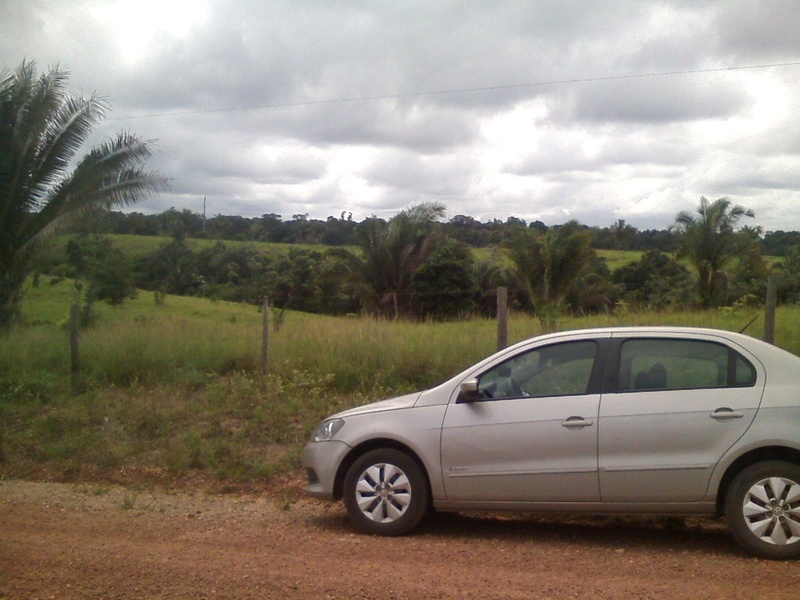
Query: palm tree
point(709, 241)
point(42, 126)
point(550, 264)
point(390, 254)
point(622, 234)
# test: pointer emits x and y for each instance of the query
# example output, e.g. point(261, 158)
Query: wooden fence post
point(502, 317)
point(74, 345)
point(769, 313)
point(265, 336)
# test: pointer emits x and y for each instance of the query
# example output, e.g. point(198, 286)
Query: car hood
point(406, 401)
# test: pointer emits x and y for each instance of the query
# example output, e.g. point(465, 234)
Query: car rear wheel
point(762, 509)
point(386, 492)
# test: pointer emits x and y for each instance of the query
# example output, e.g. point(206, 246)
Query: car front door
point(531, 436)
point(679, 405)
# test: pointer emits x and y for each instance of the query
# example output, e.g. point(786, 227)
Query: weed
point(93, 490)
point(128, 502)
point(284, 499)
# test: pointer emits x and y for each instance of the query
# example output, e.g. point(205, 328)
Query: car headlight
point(326, 430)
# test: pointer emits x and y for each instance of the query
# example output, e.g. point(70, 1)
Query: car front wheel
point(386, 492)
point(762, 509)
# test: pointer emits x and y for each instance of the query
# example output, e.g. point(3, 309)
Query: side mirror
point(469, 392)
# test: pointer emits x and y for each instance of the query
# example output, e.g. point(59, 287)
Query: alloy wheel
point(383, 493)
point(771, 510)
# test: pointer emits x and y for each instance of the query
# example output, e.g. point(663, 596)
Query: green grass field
point(136, 246)
point(168, 391)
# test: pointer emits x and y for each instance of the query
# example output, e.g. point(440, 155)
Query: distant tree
point(338, 232)
point(495, 272)
point(514, 222)
point(390, 254)
point(651, 239)
point(592, 291)
point(82, 252)
point(135, 223)
point(789, 277)
point(550, 264)
point(42, 126)
point(107, 271)
point(622, 235)
point(749, 271)
point(709, 240)
point(538, 226)
point(468, 230)
point(111, 279)
point(230, 227)
point(180, 224)
point(293, 281)
point(445, 286)
point(267, 228)
point(172, 268)
point(781, 243)
point(655, 281)
point(234, 273)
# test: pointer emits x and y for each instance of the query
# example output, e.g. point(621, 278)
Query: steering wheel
point(515, 387)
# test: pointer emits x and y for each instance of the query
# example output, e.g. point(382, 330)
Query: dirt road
point(73, 541)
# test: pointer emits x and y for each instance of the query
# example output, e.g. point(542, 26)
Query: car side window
point(557, 370)
point(665, 364)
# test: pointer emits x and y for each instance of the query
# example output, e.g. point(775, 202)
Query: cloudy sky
point(543, 109)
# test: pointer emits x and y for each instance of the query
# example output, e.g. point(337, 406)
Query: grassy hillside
point(173, 391)
point(135, 246)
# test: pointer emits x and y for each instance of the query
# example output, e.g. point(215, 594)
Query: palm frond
point(42, 128)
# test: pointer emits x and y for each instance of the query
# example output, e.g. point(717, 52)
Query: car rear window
point(672, 364)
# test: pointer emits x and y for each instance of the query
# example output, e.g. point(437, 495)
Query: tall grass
point(191, 341)
point(177, 389)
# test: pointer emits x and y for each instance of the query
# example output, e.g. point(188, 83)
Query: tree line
point(410, 267)
point(343, 230)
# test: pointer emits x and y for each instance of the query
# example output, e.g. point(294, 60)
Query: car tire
point(762, 509)
point(386, 493)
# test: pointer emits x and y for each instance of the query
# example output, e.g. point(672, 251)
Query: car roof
point(640, 330)
point(753, 345)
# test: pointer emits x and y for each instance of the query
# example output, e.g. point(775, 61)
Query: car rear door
point(678, 405)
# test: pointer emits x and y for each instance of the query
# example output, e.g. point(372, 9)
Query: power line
point(491, 88)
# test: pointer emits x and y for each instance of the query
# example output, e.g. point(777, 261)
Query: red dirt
point(85, 541)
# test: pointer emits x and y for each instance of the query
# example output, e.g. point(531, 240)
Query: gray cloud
point(548, 110)
point(655, 99)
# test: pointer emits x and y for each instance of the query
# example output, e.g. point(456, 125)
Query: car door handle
point(577, 423)
point(726, 414)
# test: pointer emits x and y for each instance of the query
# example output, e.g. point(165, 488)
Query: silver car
point(646, 420)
